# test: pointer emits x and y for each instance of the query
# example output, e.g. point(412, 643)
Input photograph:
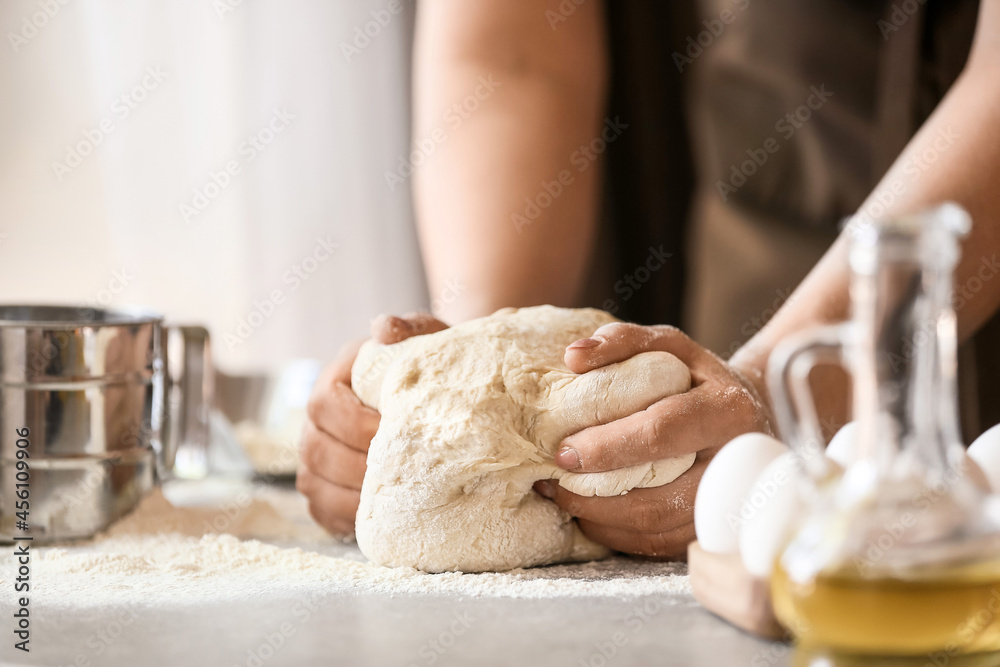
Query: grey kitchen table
point(405, 630)
point(400, 630)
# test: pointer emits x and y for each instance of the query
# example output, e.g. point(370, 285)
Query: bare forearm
point(506, 206)
point(955, 157)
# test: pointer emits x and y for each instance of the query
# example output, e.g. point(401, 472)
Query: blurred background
point(243, 165)
point(219, 161)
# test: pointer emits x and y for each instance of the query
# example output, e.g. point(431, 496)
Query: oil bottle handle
point(794, 405)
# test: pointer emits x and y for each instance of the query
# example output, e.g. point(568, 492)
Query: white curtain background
point(210, 74)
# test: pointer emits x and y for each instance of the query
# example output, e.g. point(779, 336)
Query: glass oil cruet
point(900, 553)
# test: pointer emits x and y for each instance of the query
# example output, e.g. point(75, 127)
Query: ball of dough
point(471, 419)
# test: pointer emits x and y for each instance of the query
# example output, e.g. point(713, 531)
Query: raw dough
point(471, 417)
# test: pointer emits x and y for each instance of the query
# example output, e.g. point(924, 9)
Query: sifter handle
point(188, 404)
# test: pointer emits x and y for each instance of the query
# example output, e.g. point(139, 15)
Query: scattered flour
point(270, 453)
point(261, 545)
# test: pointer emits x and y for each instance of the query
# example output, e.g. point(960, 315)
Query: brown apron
point(794, 112)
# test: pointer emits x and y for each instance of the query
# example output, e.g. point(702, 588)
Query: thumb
point(619, 341)
point(389, 329)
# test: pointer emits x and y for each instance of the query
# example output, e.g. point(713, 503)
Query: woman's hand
point(335, 440)
point(721, 404)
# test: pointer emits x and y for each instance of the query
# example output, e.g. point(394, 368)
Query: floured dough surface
point(471, 418)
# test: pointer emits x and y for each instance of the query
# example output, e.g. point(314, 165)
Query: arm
point(534, 95)
point(728, 399)
point(547, 101)
point(967, 171)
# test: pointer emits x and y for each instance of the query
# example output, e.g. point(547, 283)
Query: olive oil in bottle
point(955, 610)
point(933, 582)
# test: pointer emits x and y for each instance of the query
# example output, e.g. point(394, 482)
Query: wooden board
point(724, 587)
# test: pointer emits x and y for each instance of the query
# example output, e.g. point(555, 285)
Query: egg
point(844, 445)
point(974, 473)
point(725, 485)
point(771, 511)
point(843, 450)
point(985, 451)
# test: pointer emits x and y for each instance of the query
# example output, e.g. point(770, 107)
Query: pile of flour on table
point(261, 544)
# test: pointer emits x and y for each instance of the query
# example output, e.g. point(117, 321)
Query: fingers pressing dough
point(471, 418)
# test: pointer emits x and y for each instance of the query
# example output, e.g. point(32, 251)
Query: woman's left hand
point(721, 404)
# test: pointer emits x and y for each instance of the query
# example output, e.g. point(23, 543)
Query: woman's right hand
point(335, 440)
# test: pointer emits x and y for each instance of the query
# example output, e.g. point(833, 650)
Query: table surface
point(404, 630)
point(410, 631)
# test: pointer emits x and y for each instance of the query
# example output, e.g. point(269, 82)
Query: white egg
point(844, 445)
point(724, 486)
point(769, 514)
point(974, 472)
point(986, 452)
